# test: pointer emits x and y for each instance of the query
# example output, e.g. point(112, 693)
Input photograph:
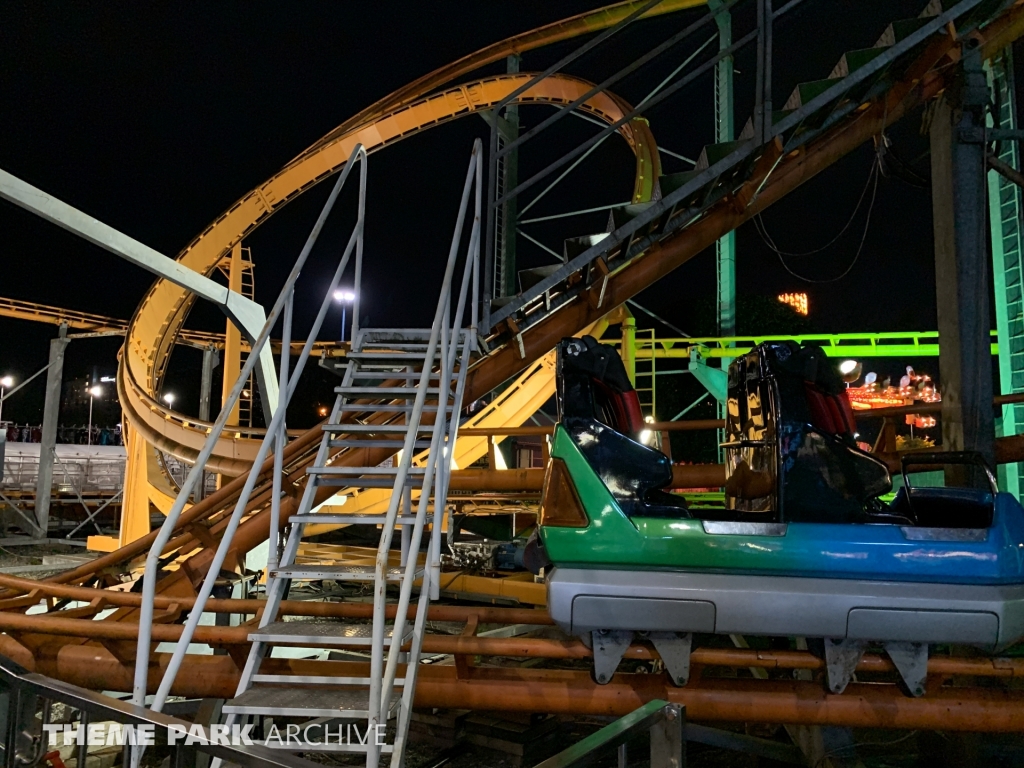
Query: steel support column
point(724, 131)
point(961, 271)
point(1005, 206)
point(48, 441)
point(505, 273)
point(725, 248)
point(210, 361)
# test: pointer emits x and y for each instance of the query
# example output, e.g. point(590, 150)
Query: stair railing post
point(439, 332)
point(357, 282)
point(475, 322)
point(281, 439)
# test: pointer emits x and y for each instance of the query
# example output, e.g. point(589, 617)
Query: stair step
point(322, 633)
point(384, 374)
point(673, 181)
point(804, 93)
point(712, 153)
point(375, 428)
point(345, 481)
point(371, 443)
point(362, 470)
point(317, 701)
point(383, 357)
point(316, 680)
point(397, 346)
point(338, 572)
point(344, 747)
point(394, 334)
point(333, 519)
point(854, 60)
point(384, 407)
point(748, 127)
point(899, 30)
point(383, 391)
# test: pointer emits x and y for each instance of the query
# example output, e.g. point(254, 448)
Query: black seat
point(948, 507)
point(945, 507)
point(600, 410)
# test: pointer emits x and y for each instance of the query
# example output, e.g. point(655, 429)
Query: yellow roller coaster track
point(158, 320)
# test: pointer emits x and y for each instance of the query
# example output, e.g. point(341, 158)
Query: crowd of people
point(66, 435)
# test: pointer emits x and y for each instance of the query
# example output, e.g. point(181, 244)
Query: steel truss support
point(48, 442)
point(1005, 207)
point(961, 274)
point(506, 223)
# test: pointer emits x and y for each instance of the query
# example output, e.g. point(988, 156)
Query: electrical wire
point(759, 222)
point(872, 181)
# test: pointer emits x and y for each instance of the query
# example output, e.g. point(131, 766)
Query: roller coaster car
point(804, 545)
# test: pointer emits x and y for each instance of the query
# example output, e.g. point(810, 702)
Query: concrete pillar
point(961, 268)
point(51, 414)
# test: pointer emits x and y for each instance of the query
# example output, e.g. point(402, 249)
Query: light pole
point(169, 399)
point(94, 392)
point(5, 383)
point(344, 298)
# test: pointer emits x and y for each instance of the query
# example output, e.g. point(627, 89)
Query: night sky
point(157, 117)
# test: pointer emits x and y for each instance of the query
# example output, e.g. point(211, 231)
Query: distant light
point(169, 398)
point(322, 410)
point(7, 382)
point(343, 295)
point(645, 436)
point(96, 391)
point(797, 301)
point(107, 379)
point(847, 366)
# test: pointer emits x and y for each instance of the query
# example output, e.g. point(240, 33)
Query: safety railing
point(665, 721)
point(275, 437)
point(71, 475)
point(28, 704)
point(446, 338)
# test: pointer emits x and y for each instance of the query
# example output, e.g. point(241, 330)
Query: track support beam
point(48, 440)
point(961, 269)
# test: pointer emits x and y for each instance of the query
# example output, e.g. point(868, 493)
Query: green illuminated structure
point(1005, 218)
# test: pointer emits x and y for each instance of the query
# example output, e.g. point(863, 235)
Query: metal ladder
point(402, 389)
point(646, 384)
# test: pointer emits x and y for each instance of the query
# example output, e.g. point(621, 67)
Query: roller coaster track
point(771, 173)
point(157, 322)
point(99, 324)
point(772, 176)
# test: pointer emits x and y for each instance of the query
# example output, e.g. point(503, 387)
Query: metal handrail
point(665, 722)
point(26, 690)
point(273, 435)
point(437, 472)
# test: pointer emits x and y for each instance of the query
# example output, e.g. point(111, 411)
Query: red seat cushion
point(623, 408)
point(831, 414)
point(821, 414)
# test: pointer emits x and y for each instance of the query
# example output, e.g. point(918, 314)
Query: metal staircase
point(424, 393)
point(402, 392)
point(402, 389)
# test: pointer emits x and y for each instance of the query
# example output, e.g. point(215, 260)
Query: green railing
point(894, 344)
